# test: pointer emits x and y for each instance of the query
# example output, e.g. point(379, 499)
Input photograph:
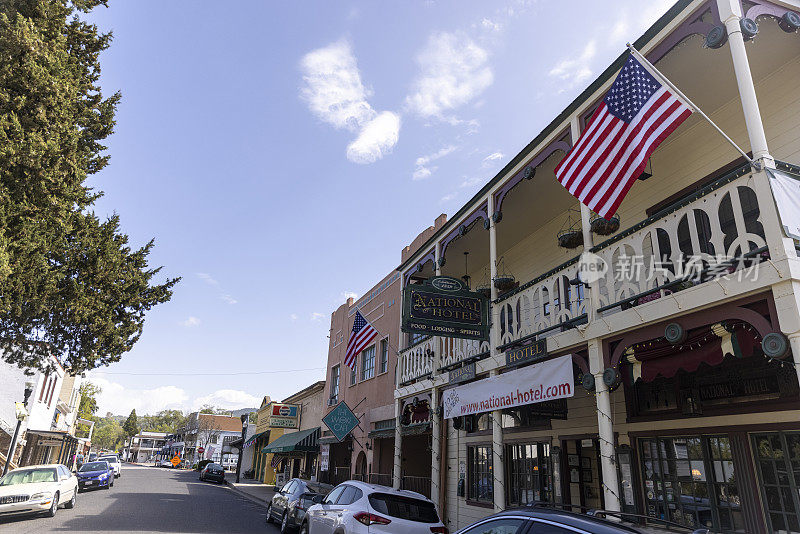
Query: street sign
point(341, 421)
point(444, 306)
point(175, 461)
point(201, 450)
point(283, 422)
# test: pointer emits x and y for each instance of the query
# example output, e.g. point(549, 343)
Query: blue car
point(95, 475)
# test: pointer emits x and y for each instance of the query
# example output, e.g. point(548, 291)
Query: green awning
point(302, 441)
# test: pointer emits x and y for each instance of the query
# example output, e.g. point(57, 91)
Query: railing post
point(398, 445)
point(605, 427)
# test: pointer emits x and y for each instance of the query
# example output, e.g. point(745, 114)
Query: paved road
point(150, 499)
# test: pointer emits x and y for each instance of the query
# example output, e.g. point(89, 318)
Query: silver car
point(113, 461)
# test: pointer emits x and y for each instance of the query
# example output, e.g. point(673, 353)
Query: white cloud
point(119, 400)
point(229, 299)
point(471, 182)
point(448, 197)
point(210, 280)
point(191, 322)
point(575, 70)
point(293, 317)
point(334, 92)
point(349, 295)
point(316, 316)
point(453, 71)
point(207, 278)
point(376, 139)
point(422, 171)
point(228, 399)
point(490, 25)
point(490, 160)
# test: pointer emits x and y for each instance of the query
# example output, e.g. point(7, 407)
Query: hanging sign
point(535, 351)
point(543, 381)
point(444, 306)
point(462, 374)
point(341, 421)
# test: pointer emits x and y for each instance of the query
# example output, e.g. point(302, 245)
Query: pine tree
point(70, 284)
point(131, 424)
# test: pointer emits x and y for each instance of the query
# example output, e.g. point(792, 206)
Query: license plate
point(88, 483)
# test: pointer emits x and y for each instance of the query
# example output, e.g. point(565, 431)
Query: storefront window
point(480, 482)
point(527, 473)
point(778, 458)
point(691, 481)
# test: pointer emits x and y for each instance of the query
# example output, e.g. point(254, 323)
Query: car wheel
point(53, 508)
point(269, 513)
point(71, 503)
point(285, 523)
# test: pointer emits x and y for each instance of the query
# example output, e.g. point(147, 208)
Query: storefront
point(297, 453)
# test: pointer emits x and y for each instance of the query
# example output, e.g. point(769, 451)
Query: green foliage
point(164, 421)
point(108, 434)
point(69, 282)
point(88, 404)
point(131, 424)
point(207, 408)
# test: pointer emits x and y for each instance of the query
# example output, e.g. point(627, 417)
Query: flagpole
point(651, 67)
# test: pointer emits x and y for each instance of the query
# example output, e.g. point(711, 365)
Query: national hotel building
point(686, 404)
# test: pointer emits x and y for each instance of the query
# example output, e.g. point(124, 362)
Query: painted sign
point(284, 410)
point(341, 421)
point(462, 374)
point(543, 381)
point(529, 353)
point(282, 422)
point(325, 455)
point(443, 306)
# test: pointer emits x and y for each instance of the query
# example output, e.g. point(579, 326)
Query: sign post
point(444, 306)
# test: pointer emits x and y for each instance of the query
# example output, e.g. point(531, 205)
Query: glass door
point(778, 458)
point(528, 473)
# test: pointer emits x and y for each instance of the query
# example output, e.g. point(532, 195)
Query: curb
point(244, 494)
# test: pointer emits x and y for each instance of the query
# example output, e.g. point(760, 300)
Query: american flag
point(636, 115)
point(361, 336)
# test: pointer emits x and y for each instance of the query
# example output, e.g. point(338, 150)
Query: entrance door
point(583, 476)
point(527, 473)
point(778, 458)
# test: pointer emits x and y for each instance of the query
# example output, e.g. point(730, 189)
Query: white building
point(145, 445)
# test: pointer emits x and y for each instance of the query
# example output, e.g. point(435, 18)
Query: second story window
point(368, 363)
point(384, 366)
point(354, 373)
point(335, 383)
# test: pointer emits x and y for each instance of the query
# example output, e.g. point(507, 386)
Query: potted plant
point(601, 226)
point(503, 281)
point(570, 235)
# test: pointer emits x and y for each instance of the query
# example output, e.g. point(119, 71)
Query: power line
point(208, 373)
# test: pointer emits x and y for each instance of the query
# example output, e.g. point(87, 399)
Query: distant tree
point(131, 425)
point(70, 284)
point(206, 430)
point(88, 405)
point(108, 434)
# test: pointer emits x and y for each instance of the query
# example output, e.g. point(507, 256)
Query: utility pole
point(22, 413)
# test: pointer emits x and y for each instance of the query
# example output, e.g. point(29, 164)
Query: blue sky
point(283, 153)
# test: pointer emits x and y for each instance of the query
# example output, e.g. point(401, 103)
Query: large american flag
point(361, 336)
point(636, 115)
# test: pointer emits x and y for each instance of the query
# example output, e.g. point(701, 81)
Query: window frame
point(335, 383)
point(354, 373)
point(383, 344)
point(472, 474)
point(364, 367)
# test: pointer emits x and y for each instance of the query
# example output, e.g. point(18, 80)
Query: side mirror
point(276, 489)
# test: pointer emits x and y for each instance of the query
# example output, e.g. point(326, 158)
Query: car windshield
point(109, 459)
point(94, 466)
point(404, 507)
point(29, 476)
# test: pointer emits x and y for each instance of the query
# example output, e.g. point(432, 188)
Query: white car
point(113, 461)
point(37, 489)
point(359, 508)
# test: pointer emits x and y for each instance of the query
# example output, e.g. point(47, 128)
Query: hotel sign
point(462, 374)
point(443, 306)
point(529, 353)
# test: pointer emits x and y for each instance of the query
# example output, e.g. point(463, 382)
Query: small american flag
point(276, 460)
point(636, 115)
point(361, 336)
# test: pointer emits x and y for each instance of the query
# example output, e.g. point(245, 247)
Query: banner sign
point(462, 374)
point(283, 422)
point(786, 191)
point(444, 306)
point(284, 410)
point(325, 454)
point(543, 381)
point(535, 351)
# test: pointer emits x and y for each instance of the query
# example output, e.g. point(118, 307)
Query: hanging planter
point(484, 287)
point(601, 226)
point(504, 281)
point(486, 291)
point(570, 235)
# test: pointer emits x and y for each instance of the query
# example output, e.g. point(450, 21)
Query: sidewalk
point(253, 490)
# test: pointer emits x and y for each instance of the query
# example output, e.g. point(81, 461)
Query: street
point(149, 499)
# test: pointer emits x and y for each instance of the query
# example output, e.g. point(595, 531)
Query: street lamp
point(22, 413)
point(244, 419)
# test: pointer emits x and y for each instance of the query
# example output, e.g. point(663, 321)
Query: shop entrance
point(583, 477)
point(778, 459)
point(527, 473)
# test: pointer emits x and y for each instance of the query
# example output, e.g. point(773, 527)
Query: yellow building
point(273, 421)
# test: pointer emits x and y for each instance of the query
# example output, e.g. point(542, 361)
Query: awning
point(252, 439)
point(381, 434)
point(302, 441)
point(415, 429)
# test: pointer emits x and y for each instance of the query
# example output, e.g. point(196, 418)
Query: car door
point(320, 521)
point(65, 487)
point(339, 512)
point(283, 498)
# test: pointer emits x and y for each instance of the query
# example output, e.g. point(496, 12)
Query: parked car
point(289, 505)
point(543, 518)
point(92, 456)
point(165, 463)
point(212, 471)
point(37, 489)
point(359, 508)
point(95, 475)
point(113, 461)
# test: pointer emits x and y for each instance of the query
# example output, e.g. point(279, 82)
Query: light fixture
point(716, 37)
point(466, 277)
point(749, 28)
point(790, 22)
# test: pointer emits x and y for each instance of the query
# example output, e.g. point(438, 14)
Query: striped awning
point(302, 441)
point(251, 440)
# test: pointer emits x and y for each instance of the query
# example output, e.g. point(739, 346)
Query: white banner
point(786, 190)
point(544, 381)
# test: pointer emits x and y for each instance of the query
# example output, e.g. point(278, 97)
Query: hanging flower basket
point(570, 239)
point(486, 291)
point(504, 283)
point(601, 226)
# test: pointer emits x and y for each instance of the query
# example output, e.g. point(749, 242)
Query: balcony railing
point(717, 229)
point(383, 479)
point(417, 360)
point(419, 484)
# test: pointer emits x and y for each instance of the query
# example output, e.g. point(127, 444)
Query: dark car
point(95, 475)
point(289, 505)
point(544, 518)
point(213, 472)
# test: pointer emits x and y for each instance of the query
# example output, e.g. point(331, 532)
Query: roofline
point(606, 75)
